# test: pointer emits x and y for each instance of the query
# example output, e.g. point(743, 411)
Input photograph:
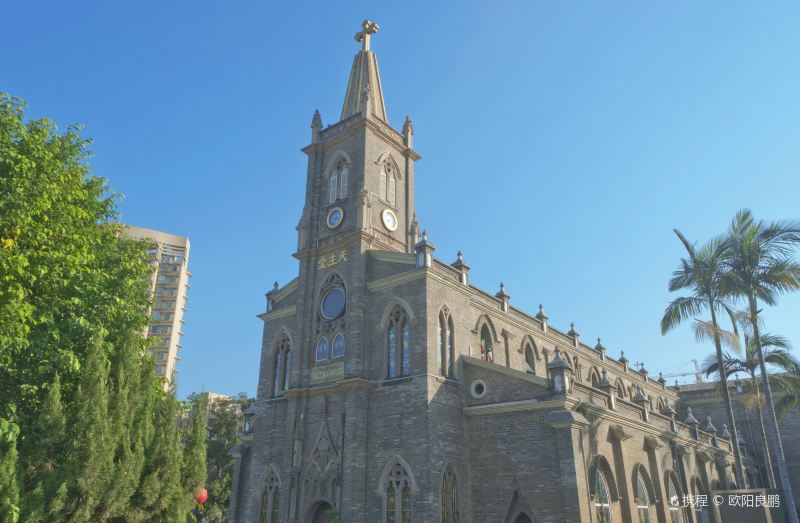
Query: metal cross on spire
point(367, 28)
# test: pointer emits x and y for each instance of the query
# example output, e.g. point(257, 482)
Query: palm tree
point(702, 273)
point(789, 383)
point(777, 354)
point(761, 267)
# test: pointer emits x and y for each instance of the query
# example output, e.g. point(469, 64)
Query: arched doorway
point(318, 515)
point(523, 518)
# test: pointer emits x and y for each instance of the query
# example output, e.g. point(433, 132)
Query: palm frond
point(705, 330)
point(679, 310)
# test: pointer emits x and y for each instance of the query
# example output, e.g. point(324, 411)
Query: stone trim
point(278, 314)
point(334, 388)
point(393, 257)
point(288, 288)
point(520, 406)
point(397, 279)
point(501, 369)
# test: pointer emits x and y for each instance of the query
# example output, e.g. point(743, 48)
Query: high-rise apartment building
point(170, 283)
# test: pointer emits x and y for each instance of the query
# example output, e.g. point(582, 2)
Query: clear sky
point(561, 142)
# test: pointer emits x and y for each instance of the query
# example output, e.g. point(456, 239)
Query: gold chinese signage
point(331, 259)
point(327, 373)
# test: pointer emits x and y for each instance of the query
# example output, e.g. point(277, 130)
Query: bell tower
point(360, 176)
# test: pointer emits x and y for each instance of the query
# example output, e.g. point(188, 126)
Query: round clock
point(389, 219)
point(334, 218)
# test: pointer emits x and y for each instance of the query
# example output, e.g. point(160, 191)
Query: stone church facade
point(393, 390)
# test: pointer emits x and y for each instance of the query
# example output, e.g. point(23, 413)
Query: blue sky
point(561, 142)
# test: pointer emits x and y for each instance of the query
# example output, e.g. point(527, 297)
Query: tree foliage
point(87, 431)
point(224, 432)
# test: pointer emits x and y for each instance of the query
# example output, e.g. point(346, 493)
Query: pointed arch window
point(338, 182)
point(337, 351)
point(322, 349)
point(701, 514)
point(387, 182)
point(642, 499)
point(397, 487)
point(398, 349)
point(382, 182)
point(530, 359)
point(282, 365)
point(674, 503)
point(271, 500)
point(602, 501)
point(486, 344)
point(334, 186)
point(446, 344)
point(448, 496)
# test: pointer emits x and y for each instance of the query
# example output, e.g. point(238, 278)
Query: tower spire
point(364, 93)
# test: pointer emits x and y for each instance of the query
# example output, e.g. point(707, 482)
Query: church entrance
point(318, 515)
point(523, 518)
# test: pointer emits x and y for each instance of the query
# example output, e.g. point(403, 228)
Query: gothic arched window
point(387, 182)
point(338, 182)
point(446, 344)
point(486, 344)
point(282, 366)
point(398, 350)
point(642, 499)
point(701, 514)
point(343, 174)
point(602, 501)
point(322, 349)
point(674, 501)
point(277, 374)
point(271, 500)
point(334, 186)
point(448, 496)
point(397, 487)
point(337, 351)
point(530, 359)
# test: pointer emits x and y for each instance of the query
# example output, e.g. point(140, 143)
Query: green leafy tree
point(761, 267)
point(95, 432)
point(9, 489)
point(224, 432)
point(777, 355)
point(194, 454)
point(789, 384)
point(702, 273)
point(67, 277)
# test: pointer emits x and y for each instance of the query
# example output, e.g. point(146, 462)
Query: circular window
point(477, 389)
point(334, 218)
point(333, 303)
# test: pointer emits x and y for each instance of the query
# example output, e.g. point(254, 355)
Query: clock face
point(335, 217)
point(389, 219)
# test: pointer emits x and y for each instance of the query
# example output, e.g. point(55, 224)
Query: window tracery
point(387, 182)
point(338, 182)
point(397, 487)
point(448, 496)
point(446, 344)
point(270, 500)
point(642, 498)
point(398, 349)
point(282, 364)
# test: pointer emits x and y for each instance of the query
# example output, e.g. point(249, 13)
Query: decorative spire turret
point(364, 93)
point(316, 126)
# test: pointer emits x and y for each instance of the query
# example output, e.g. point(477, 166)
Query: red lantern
point(202, 496)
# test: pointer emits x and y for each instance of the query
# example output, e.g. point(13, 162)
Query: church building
point(393, 390)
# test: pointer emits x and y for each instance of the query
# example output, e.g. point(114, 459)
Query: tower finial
point(367, 28)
